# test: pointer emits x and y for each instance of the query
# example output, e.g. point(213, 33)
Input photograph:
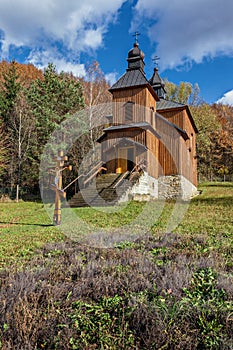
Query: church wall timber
point(121, 97)
point(152, 154)
point(187, 151)
point(169, 148)
point(191, 146)
point(174, 116)
point(144, 104)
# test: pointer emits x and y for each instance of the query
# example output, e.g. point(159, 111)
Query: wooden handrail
point(82, 175)
point(138, 166)
point(122, 177)
point(94, 174)
point(98, 165)
point(65, 188)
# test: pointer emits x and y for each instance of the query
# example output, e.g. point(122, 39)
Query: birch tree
point(22, 126)
point(96, 93)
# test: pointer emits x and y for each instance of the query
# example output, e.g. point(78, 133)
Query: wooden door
point(126, 159)
point(122, 160)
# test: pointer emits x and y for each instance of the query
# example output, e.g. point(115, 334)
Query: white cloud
point(41, 60)
point(227, 99)
point(186, 30)
point(111, 78)
point(73, 26)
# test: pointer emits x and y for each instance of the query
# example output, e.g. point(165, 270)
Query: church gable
point(130, 105)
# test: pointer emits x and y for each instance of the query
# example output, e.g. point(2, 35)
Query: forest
point(34, 102)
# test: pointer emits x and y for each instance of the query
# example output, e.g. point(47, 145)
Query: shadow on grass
point(25, 224)
point(217, 184)
point(220, 201)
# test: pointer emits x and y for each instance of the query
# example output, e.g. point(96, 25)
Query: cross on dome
point(136, 34)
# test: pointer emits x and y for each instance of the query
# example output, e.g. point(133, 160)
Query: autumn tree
point(209, 127)
point(184, 93)
point(96, 93)
point(224, 139)
point(9, 92)
point(3, 149)
point(27, 72)
point(95, 86)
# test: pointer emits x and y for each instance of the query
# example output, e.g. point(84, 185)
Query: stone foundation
point(171, 187)
point(175, 187)
point(145, 189)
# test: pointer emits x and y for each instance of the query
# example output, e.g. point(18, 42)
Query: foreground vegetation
point(164, 290)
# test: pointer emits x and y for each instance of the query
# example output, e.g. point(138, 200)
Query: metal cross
point(136, 37)
point(155, 59)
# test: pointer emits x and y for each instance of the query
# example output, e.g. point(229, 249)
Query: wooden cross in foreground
point(57, 186)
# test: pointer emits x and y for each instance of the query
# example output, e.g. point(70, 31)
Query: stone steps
point(100, 192)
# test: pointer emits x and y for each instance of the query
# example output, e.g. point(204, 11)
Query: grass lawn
point(162, 290)
point(206, 226)
point(24, 227)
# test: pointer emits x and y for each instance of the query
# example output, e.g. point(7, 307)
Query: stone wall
point(145, 189)
point(166, 187)
point(175, 187)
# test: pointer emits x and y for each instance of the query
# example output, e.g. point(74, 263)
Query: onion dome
point(158, 84)
point(136, 58)
point(136, 52)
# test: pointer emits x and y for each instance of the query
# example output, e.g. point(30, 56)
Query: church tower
point(158, 84)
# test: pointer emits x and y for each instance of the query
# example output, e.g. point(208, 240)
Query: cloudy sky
point(194, 39)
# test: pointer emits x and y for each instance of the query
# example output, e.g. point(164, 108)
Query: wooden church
point(150, 141)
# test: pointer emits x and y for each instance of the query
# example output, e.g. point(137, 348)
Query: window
point(152, 116)
point(129, 111)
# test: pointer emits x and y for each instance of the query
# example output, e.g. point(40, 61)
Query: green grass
point(212, 211)
point(162, 290)
point(207, 225)
point(108, 219)
point(24, 227)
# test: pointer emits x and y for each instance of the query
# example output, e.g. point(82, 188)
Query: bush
point(75, 297)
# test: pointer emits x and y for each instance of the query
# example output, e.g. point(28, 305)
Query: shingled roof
point(166, 104)
point(129, 79)
point(133, 79)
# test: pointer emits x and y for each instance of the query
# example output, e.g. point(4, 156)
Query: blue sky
point(193, 39)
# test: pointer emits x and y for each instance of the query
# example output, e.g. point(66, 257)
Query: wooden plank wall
point(191, 146)
point(114, 137)
point(143, 102)
point(187, 161)
point(109, 153)
point(169, 153)
point(174, 116)
point(152, 154)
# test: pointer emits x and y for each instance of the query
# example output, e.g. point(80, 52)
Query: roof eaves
point(181, 131)
point(129, 141)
